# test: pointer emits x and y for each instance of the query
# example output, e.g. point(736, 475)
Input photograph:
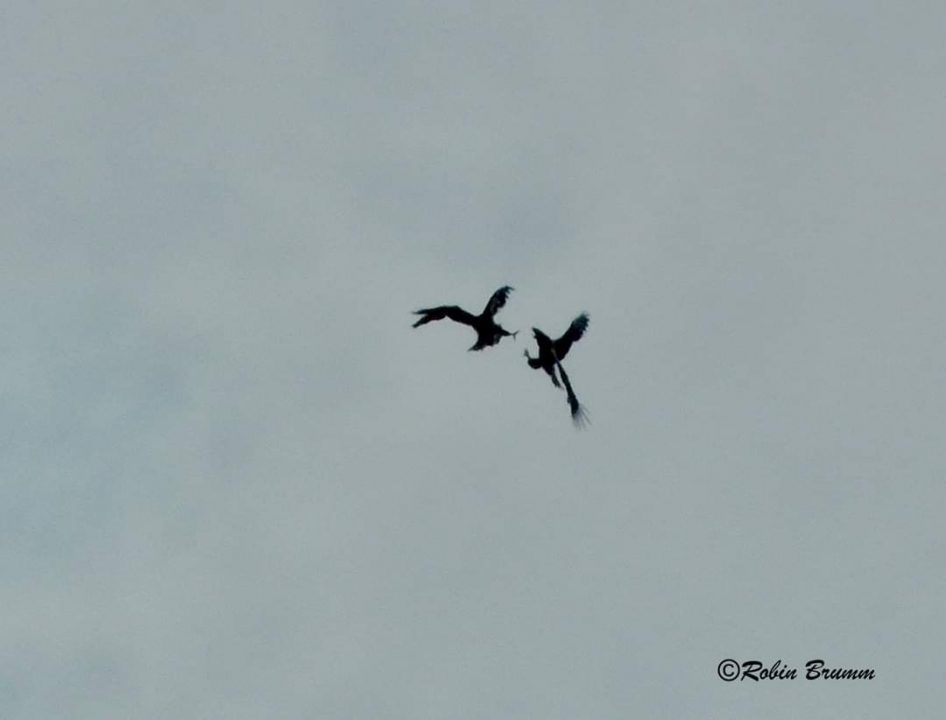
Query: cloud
point(237, 483)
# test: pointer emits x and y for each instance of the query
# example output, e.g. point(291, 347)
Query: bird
point(551, 353)
point(488, 331)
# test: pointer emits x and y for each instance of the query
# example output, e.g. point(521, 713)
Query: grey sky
point(235, 483)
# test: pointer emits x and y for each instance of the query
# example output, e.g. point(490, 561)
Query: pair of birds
point(489, 332)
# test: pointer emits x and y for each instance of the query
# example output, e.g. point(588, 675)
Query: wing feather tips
point(580, 325)
point(574, 333)
point(425, 317)
point(497, 300)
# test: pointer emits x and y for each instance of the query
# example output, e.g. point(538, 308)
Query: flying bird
point(551, 353)
point(488, 331)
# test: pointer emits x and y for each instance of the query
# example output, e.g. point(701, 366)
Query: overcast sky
point(235, 484)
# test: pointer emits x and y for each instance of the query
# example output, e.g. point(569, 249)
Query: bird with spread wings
point(549, 359)
point(488, 331)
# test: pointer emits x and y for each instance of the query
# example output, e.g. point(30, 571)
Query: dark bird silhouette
point(551, 353)
point(488, 331)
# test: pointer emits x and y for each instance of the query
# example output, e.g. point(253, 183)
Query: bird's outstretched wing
point(579, 416)
point(497, 301)
point(542, 340)
point(457, 314)
point(572, 335)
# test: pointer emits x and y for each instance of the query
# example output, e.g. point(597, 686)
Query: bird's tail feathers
point(578, 411)
point(579, 415)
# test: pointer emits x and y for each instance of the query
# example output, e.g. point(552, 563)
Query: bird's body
point(488, 331)
point(549, 359)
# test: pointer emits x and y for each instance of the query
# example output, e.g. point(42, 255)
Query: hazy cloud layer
point(236, 484)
